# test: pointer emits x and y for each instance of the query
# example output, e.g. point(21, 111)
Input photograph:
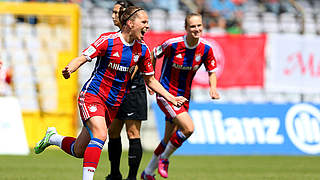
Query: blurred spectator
point(226, 15)
point(277, 6)
point(272, 6)
point(5, 80)
point(146, 4)
point(204, 10)
point(169, 5)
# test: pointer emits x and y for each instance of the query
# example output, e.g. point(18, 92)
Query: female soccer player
point(102, 94)
point(182, 58)
point(131, 112)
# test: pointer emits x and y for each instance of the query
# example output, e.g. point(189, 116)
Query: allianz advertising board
point(256, 129)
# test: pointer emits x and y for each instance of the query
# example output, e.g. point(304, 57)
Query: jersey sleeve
point(210, 62)
point(98, 48)
point(161, 50)
point(144, 64)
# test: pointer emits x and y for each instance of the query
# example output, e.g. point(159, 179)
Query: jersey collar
point(186, 44)
point(124, 41)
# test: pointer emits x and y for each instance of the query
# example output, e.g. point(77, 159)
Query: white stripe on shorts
point(167, 106)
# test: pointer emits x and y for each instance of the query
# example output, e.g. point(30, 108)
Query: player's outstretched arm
point(213, 86)
point(73, 66)
point(159, 89)
point(153, 61)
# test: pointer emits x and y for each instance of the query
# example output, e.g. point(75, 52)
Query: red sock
point(177, 138)
point(161, 147)
point(92, 153)
point(67, 145)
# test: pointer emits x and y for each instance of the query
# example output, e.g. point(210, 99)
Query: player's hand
point(214, 94)
point(151, 92)
point(66, 72)
point(179, 101)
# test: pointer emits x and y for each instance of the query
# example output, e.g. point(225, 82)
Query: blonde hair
point(186, 23)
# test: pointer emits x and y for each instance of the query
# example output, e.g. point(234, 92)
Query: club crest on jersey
point(198, 57)
point(92, 108)
point(136, 57)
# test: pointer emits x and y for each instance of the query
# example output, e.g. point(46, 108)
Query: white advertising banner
point(12, 134)
point(293, 63)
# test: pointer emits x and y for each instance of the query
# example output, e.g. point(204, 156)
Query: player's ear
point(130, 24)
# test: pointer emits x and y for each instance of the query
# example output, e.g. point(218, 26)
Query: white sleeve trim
point(150, 73)
point(214, 70)
point(87, 57)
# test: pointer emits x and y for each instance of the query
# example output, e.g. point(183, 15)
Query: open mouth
point(143, 32)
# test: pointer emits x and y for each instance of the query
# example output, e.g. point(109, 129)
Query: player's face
point(194, 27)
point(115, 15)
point(140, 25)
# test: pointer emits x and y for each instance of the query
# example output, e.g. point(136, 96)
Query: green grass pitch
point(56, 165)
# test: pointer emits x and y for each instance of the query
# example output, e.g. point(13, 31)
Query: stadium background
point(269, 60)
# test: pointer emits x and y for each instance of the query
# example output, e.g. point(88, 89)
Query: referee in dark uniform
point(132, 111)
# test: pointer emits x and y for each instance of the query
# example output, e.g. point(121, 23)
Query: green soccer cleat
point(44, 143)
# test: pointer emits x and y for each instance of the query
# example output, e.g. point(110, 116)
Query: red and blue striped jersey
point(115, 64)
point(181, 62)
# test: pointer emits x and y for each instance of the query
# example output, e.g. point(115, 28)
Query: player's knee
point(113, 133)
point(188, 131)
point(133, 133)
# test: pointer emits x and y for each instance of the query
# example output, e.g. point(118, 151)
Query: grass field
point(56, 165)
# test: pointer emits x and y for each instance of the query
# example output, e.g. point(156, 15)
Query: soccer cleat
point(145, 176)
point(114, 177)
point(44, 143)
point(163, 165)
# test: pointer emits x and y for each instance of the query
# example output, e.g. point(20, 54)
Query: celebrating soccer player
point(102, 94)
point(131, 112)
point(182, 58)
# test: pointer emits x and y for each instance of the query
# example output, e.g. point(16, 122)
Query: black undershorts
point(134, 105)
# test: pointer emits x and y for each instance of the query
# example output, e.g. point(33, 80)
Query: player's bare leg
point(98, 130)
point(186, 128)
point(71, 145)
point(153, 163)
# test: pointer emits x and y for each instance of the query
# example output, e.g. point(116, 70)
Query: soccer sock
point(175, 142)
point(153, 164)
point(134, 157)
point(114, 151)
point(91, 158)
point(88, 173)
point(67, 145)
point(161, 147)
point(56, 139)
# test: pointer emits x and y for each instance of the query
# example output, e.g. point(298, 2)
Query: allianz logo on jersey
point(118, 67)
point(302, 124)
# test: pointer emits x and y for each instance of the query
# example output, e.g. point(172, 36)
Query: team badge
point(92, 108)
point(198, 57)
point(135, 58)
